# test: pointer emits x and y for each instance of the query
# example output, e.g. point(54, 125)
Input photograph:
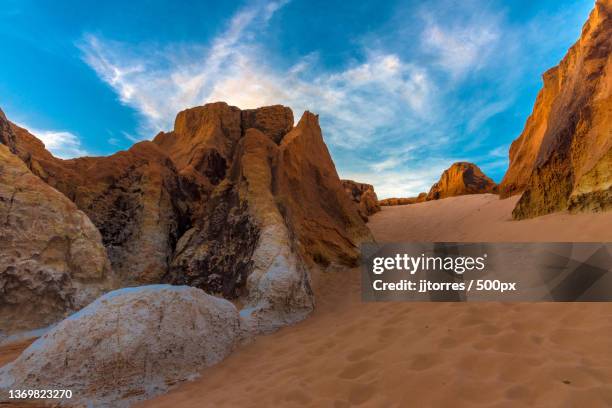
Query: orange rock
point(397, 201)
point(364, 196)
point(459, 179)
point(235, 202)
point(327, 226)
point(563, 158)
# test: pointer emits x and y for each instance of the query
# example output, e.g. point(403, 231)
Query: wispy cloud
point(62, 144)
point(459, 48)
point(354, 103)
point(392, 118)
point(158, 82)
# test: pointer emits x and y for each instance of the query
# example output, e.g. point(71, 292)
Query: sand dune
point(424, 354)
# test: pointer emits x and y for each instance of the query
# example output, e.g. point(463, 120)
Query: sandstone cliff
point(459, 179)
point(239, 203)
point(364, 196)
point(563, 158)
point(52, 261)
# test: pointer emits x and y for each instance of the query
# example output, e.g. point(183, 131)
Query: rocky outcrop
point(129, 345)
point(52, 261)
point(238, 203)
point(273, 121)
point(136, 198)
point(459, 179)
point(327, 227)
point(364, 196)
point(280, 212)
point(387, 202)
point(562, 160)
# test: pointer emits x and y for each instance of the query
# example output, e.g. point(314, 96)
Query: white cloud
point(459, 48)
point(160, 82)
point(354, 103)
point(62, 144)
point(395, 117)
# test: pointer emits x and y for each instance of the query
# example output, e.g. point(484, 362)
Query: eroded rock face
point(238, 203)
point(364, 196)
point(52, 261)
point(459, 179)
point(129, 345)
point(563, 157)
point(280, 212)
point(273, 121)
point(327, 227)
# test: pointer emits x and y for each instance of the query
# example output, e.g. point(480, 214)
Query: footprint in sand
point(424, 361)
point(360, 393)
point(298, 396)
point(360, 354)
point(356, 370)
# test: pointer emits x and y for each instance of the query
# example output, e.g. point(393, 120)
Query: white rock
point(129, 345)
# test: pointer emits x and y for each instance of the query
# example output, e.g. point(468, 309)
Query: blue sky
point(403, 88)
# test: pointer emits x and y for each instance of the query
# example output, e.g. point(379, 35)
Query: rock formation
point(563, 158)
point(238, 203)
point(128, 345)
point(136, 198)
point(279, 211)
point(397, 201)
point(364, 196)
point(459, 179)
point(52, 261)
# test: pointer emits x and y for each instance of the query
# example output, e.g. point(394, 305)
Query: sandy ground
point(350, 353)
point(484, 218)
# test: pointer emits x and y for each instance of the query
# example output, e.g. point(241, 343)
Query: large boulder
point(459, 179)
point(129, 345)
point(563, 158)
point(364, 196)
point(52, 261)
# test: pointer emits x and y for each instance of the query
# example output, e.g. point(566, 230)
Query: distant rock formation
point(397, 201)
point(459, 179)
point(52, 261)
point(239, 203)
point(364, 196)
point(128, 345)
point(563, 158)
point(403, 201)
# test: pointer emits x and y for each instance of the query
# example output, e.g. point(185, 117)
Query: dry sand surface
point(484, 218)
point(351, 353)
